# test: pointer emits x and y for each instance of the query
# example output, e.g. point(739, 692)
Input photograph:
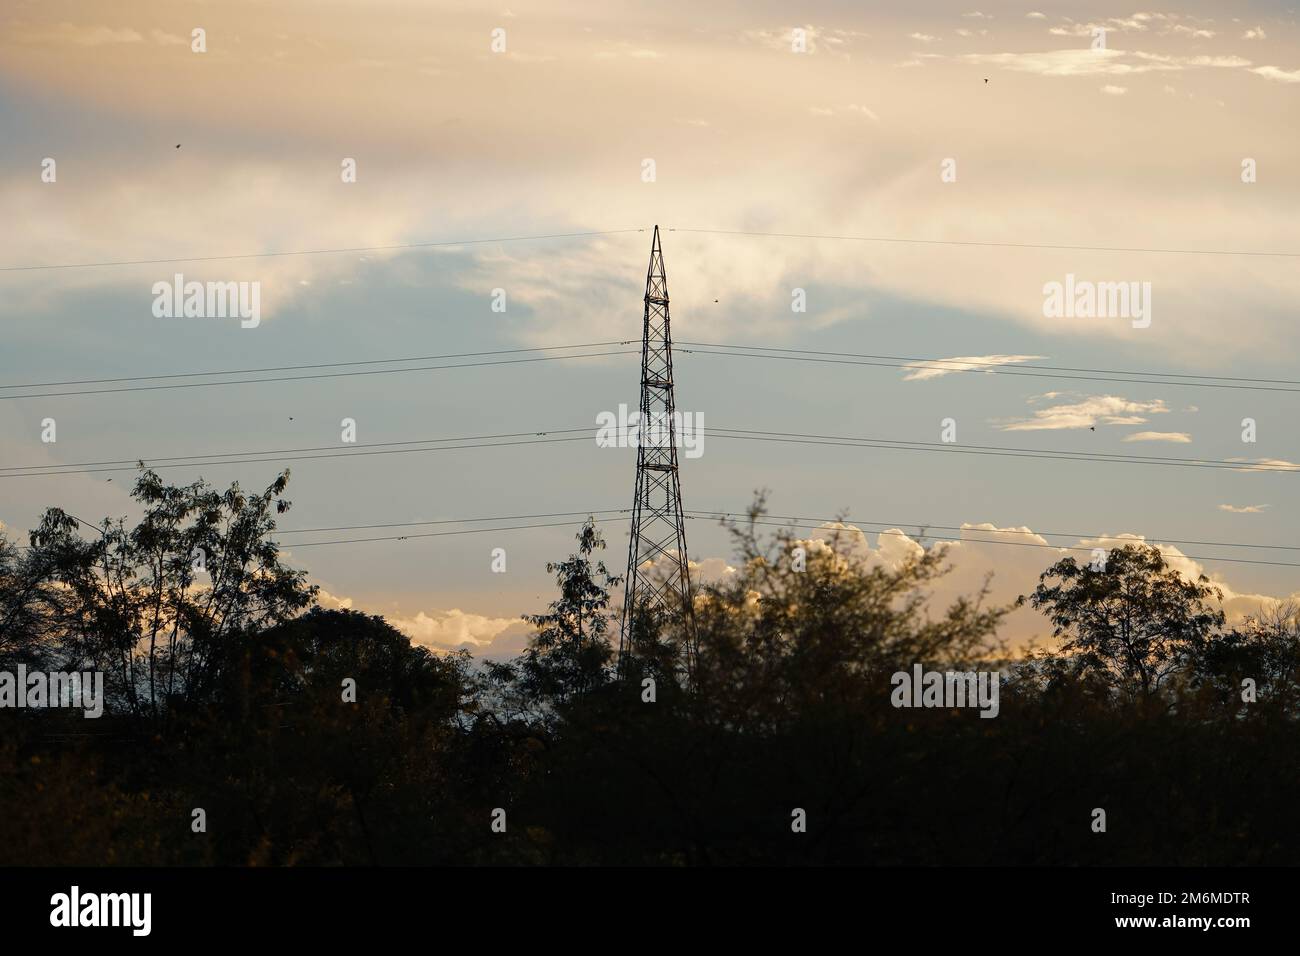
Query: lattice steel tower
point(658, 529)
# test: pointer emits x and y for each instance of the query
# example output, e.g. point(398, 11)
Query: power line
point(995, 368)
point(432, 534)
point(320, 375)
point(770, 520)
point(414, 524)
point(1035, 544)
point(925, 526)
point(1147, 377)
point(284, 458)
point(997, 451)
point(989, 245)
point(287, 451)
point(316, 252)
point(586, 433)
point(812, 522)
point(292, 368)
point(959, 364)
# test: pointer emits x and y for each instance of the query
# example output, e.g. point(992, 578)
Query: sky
point(986, 153)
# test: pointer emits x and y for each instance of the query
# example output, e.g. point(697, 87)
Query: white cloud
point(1196, 33)
point(1266, 465)
point(1094, 410)
point(1108, 62)
point(817, 39)
point(1257, 33)
point(1274, 73)
point(1073, 30)
point(453, 629)
point(1180, 437)
point(1015, 557)
point(443, 631)
point(80, 35)
point(1110, 90)
point(1035, 15)
point(935, 368)
point(922, 37)
point(1243, 509)
point(629, 51)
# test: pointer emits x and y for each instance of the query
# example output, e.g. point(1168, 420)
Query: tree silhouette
point(151, 604)
point(1134, 621)
point(570, 652)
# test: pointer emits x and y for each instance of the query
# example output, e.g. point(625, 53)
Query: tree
point(1264, 648)
point(815, 622)
point(1134, 620)
point(152, 604)
point(570, 653)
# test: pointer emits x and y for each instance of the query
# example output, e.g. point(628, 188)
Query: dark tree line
point(316, 737)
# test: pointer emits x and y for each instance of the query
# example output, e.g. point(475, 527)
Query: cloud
point(1243, 509)
point(1196, 33)
point(76, 34)
point(629, 51)
point(1180, 437)
point(1110, 90)
point(864, 111)
point(922, 37)
point(332, 601)
point(1256, 33)
point(1016, 556)
point(1267, 464)
point(454, 629)
point(450, 630)
point(1035, 15)
point(935, 368)
point(1274, 73)
point(1108, 62)
point(1094, 410)
point(1010, 559)
point(816, 39)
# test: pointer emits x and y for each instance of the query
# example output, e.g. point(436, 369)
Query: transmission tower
point(658, 529)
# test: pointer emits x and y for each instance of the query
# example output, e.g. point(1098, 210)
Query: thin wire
point(997, 452)
point(1034, 544)
point(766, 521)
point(413, 524)
point(316, 252)
point(1017, 372)
point(925, 526)
point(287, 451)
point(293, 368)
point(686, 348)
point(959, 362)
point(344, 454)
point(431, 534)
point(990, 245)
point(320, 375)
